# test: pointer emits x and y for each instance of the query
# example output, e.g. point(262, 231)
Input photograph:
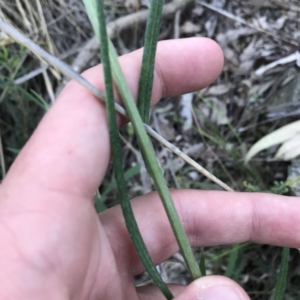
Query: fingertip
point(186, 65)
point(213, 288)
point(208, 61)
point(215, 55)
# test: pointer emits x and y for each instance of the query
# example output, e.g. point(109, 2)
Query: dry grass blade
point(44, 27)
point(48, 85)
point(187, 159)
point(26, 22)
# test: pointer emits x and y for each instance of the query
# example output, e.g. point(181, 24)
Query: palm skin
point(53, 245)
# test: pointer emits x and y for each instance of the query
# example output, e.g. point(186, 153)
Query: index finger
point(209, 218)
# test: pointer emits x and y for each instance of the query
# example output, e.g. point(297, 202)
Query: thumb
point(213, 288)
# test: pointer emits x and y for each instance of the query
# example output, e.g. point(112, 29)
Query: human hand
point(53, 245)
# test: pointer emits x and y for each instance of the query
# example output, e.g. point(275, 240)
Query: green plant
point(20, 105)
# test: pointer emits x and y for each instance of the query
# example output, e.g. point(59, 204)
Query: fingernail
point(220, 292)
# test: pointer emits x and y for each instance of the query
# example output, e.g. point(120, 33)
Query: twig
point(68, 71)
point(187, 159)
point(30, 11)
point(24, 15)
point(45, 28)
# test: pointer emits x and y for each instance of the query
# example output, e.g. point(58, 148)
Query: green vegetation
point(21, 106)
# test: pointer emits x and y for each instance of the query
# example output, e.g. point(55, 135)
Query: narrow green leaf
point(232, 261)
point(202, 264)
point(147, 71)
point(98, 203)
point(128, 174)
point(151, 162)
point(117, 160)
point(282, 277)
